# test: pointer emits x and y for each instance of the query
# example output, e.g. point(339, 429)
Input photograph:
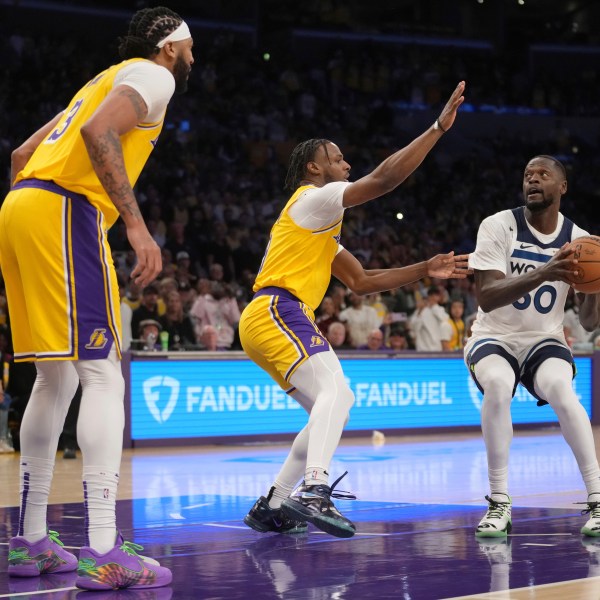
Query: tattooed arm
point(120, 112)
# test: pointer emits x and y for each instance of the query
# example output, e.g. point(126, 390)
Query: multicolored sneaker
point(46, 556)
point(263, 518)
point(497, 520)
point(592, 526)
point(121, 567)
point(313, 503)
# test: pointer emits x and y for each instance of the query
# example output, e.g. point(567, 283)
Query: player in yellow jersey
point(277, 328)
point(71, 180)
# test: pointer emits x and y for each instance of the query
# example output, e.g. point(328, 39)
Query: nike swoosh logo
point(525, 246)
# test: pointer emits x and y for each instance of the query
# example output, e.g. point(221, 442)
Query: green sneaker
point(497, 520)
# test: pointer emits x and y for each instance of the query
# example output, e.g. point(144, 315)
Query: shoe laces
point(340, 494)
point(53, 535)
point(593, 509)
point(496, 510)
point(131, 548)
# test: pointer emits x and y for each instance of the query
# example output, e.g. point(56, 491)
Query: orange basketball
point(587, 252)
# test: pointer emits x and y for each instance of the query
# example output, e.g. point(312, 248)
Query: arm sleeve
point(318, 207)
point(155, 84)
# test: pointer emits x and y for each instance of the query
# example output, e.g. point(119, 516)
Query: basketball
point(587, 252)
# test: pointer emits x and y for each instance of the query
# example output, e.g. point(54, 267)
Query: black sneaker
point(313, 503)
point(263, 518)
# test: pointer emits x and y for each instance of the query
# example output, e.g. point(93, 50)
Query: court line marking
point(502, 594)
point(38, 593)
point(537, 534)
point(534, 544)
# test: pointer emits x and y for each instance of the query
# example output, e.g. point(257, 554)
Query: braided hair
point(148, 27)
point(302, 154)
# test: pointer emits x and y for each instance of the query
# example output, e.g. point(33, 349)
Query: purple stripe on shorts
point(49, 186)
point(290, 317)
point(69, 268)
point(275, 291)
point(95, 337)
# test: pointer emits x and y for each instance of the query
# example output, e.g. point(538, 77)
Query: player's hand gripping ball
point(587, 276)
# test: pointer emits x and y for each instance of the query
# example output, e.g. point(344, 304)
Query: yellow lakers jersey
point(297, 259)
point(62, 157)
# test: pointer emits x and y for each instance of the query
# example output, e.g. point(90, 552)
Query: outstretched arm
point(397, 167)
point(120, 112)
point(351, 273)
point(20, 156)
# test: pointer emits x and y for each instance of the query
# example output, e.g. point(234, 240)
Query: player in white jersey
point(521, 268)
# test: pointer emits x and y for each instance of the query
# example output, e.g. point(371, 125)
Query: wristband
point(437, 125)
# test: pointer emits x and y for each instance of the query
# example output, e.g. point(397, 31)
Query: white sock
point(36, 477)
point(316, 476)
point(100, 497)
point(278, 493)
point(498, 479)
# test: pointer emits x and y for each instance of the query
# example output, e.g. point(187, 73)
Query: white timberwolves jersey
point(507, 243)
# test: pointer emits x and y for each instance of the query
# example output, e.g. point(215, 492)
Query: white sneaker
point(5, 447)
point(497, 520)
point(592, 526)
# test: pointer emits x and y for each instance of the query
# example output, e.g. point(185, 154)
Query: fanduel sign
point(183, 399)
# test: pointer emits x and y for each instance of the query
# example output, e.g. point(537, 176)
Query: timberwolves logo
point(152, 393)
point(316, 340)
point(97, 340)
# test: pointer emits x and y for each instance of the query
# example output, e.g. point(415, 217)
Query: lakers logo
point(315, 340)
point(97, 340)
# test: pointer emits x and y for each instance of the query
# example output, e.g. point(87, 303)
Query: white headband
point(181, 33)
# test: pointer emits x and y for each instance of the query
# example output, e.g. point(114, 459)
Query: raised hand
point(448, 114)
point(448, 266)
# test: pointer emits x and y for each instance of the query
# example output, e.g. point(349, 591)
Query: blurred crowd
point(214, 185)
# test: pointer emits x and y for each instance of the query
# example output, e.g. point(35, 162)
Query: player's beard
point(181, 72)
point(539, 206)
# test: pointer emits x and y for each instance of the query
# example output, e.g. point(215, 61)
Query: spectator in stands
point(455, 336)
point(209, 338)
point(338, 294)
point(428, 321)
point(188, 296)
point(398, 338)
point(360, 320)
point(374, 341)
point(336, 336)
point(326, 314)
point(215, 306)
point(148, 308)
point(177, 324)
point(185, 271)
point(148, 335)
